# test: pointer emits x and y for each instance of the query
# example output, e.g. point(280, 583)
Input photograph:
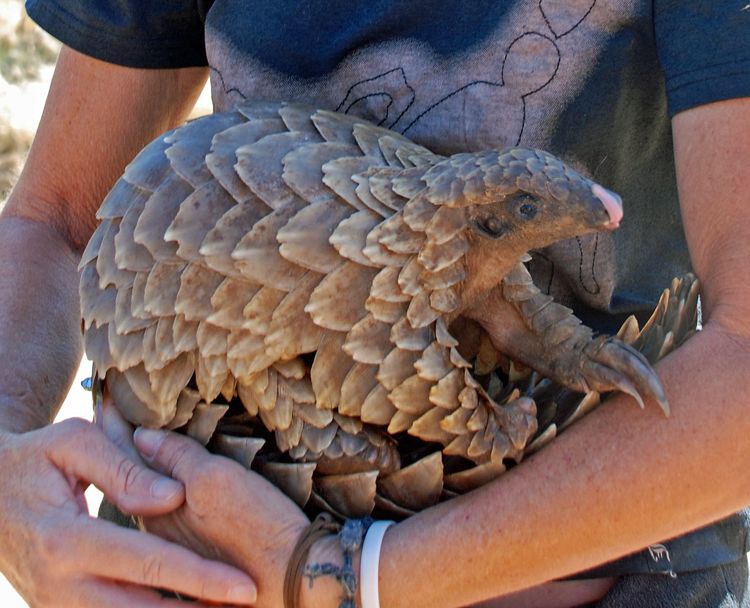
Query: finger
point(79, 492)
point(142, 559)
point(170, 453)
point(83, 451)
point(107, 594)
point(117, 429)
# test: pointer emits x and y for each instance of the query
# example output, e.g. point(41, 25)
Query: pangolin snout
point(612, 203)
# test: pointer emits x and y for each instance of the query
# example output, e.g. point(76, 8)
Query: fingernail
point(164, 489)
point(148, 441)
point(242, 594)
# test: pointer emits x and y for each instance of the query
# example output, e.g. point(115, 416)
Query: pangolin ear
point(490, 227)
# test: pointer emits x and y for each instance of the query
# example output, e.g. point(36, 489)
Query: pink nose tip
point(612, 203)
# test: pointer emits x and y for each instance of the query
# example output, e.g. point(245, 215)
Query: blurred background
point(27, 57)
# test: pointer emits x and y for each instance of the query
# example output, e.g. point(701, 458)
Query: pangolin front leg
point(552, 340)
point(443, 403)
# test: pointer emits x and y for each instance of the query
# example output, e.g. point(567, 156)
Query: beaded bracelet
point(321, 526)
point(350, 535)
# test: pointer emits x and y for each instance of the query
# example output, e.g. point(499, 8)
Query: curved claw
point(625, 369)
point(607, 379)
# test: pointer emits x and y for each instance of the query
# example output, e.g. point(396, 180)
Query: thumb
point(83, 452)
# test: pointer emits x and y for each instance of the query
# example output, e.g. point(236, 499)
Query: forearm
point(40, 335)
point(96, 119)
point(620, 479)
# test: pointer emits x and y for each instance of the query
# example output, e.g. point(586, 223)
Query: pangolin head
point(494, 206)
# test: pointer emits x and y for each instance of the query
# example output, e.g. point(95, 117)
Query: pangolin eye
point(527, 210)
point(492, 226)
point(523, 206)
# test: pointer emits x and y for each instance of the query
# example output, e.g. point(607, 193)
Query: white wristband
point(370, 563)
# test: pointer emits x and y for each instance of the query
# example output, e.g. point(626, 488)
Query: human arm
point(96, 118)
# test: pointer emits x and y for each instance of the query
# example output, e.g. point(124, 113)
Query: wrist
point(325, 591)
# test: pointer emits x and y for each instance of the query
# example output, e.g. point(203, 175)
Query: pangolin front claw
point(610, 364)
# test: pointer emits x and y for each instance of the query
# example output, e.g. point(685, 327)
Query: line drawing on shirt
point(347, 104)
point(596, 289)
point(499, 84)
point(227, 90)
point(403, 90)
point(574, 26)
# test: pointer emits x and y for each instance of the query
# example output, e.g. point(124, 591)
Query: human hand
point(56, 555)
point(229, 514)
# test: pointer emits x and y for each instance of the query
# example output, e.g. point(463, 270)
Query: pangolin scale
point(353, 292)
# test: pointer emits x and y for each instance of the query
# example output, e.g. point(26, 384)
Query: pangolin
point(339, 282)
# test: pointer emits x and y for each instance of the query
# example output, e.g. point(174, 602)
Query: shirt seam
point(671, 88)
point(711, 66)
point(53, 11)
